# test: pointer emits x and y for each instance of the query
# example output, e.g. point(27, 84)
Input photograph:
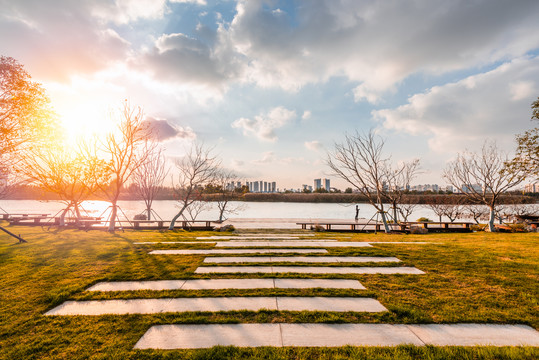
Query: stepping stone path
point(274, 334)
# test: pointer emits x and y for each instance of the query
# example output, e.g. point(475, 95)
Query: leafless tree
point(63, 173)
point(406, 208)
point(360, 161)
point(398, 181)
point(124, 152)
point(225, 183)
point(196, 169)
point(192, 212)
point(476, 212)
point(489, 169)
point(150, 175)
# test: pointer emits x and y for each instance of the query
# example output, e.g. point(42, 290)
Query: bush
point(478, 227)
point(418, 230)
point(424, 219)
point(227, 228)
point(318, 228)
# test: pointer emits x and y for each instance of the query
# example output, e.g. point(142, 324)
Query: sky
point(273, 85)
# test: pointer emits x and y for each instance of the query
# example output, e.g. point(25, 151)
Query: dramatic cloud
point(263, 126)
point(378, 43)
point(493, 105)
point(162, 130)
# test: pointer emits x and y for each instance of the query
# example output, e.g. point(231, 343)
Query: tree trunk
point(173, 221)
point(491, 219)
point(149, 211)
point(62, 220)
point(395, 212)
point(113, 215)
point(384, 220)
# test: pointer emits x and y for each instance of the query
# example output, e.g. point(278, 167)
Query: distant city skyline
point(273, 85)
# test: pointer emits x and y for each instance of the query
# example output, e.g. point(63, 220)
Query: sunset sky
point(273, 84)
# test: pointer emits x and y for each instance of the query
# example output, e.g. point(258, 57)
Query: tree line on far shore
point(130, 160)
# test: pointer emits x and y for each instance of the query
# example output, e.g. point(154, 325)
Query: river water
point(246, 214)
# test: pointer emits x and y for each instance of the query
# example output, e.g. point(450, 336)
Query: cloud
point(377, 43)
point(162, 130)
point(495, 105)
point(267, 157)
point(314, 145)
point(57, 39)
point(306, 115)
point(263, 126)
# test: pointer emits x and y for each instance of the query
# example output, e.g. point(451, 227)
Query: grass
point(479, 277)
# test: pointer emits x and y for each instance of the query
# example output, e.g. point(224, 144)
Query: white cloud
point(267, 157)
point(306, 115)
point(163, 130)
point(263, 126)
point(314, 145)
point(454, 116)
point(378, 43)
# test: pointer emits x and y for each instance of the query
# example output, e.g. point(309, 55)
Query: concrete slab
point(297, 243)
point(201, 284)
point(340, 304)
point(299, 259)
point(137, 285)
point(347, 334)
point(309, 335)
point(173, 242)
point(318, 283)
point(476, 334)
point(238, 251)
point(205, 336)
point(152, 306)
point(307, 270)
point(242, 237)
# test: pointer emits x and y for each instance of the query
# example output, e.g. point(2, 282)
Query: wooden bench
point(440, 226)
point(353, 226)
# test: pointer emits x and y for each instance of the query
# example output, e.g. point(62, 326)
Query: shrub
point(478, 227)
point(424, 219)
point(418, 230)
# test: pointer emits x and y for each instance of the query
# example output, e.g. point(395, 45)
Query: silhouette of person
point(357, 212)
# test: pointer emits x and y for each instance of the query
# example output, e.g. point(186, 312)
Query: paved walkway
point(307, 270)
point(238, 251)
point(254, 335)
point(153, 306)
point(201, 284)
point(299, 259)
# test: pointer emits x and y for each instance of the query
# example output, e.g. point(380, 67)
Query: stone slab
point(226, 237)
point(237, 251)
point(299, 259)
point(315, 335)
point(340, 304)
point(331, 335)
point(307, 270)
point(201, 284)
point(173, 242)
point(476, 334)
point(205, 336)
point(137, 285)
point(153, 306)
point(296, 243)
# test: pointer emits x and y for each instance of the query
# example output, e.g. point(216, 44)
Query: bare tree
point(490, 170)
point(149, 177)
point(476, 212)
point(192, 212)
point(123, 152)
point(63, 173)
point(360, 162)
point(398, 182)
point(406, 208)
point(197, 168)
point(225, 183)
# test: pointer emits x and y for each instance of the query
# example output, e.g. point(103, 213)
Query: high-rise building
point(317, 184)
point(327, 185)
point(273, 187)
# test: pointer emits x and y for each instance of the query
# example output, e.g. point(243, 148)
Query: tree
point(148, 178)
point(398, 181)
point(225, 181)
point(359, 161)
point(123, 152)
point(476, 212)
point(64, 173)
point(527, 154)
point(25, 117)
point(490, 169)
point(196, 169)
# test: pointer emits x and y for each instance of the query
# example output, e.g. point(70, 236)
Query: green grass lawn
point(477, 277)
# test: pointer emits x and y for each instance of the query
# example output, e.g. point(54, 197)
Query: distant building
point(531, 188)
point(327, 186)
point(307, 187)
point(317, 184)
point(468, 188)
